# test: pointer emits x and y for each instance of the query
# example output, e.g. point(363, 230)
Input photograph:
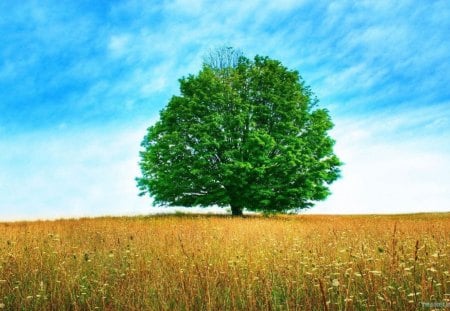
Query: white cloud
point(357, 78)
point(119, 44)
point(389, 170)
point(188, 7)
point(155, 85)
point(390, 178)
point(71, 174)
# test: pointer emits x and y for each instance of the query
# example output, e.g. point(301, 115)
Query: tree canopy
point(249, 135)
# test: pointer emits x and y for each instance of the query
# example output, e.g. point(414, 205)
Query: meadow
point(183, 262)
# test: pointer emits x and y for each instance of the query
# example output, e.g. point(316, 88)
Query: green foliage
point(248, 136)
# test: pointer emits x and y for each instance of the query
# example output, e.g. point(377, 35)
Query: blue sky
point(80, 81)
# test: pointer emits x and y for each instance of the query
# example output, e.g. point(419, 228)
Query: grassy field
point(223, 263)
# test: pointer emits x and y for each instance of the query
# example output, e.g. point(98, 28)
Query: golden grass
point(222, 263)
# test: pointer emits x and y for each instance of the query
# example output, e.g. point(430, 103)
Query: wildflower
point(335, 282)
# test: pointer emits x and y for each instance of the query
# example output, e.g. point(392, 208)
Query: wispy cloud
point(79, 83)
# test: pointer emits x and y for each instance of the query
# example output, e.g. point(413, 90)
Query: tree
point(248, 135)
point(223, 58)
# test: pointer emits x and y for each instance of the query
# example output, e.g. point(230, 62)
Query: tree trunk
point(236, 210)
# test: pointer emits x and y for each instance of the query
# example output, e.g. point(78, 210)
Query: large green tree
point(248, 135)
